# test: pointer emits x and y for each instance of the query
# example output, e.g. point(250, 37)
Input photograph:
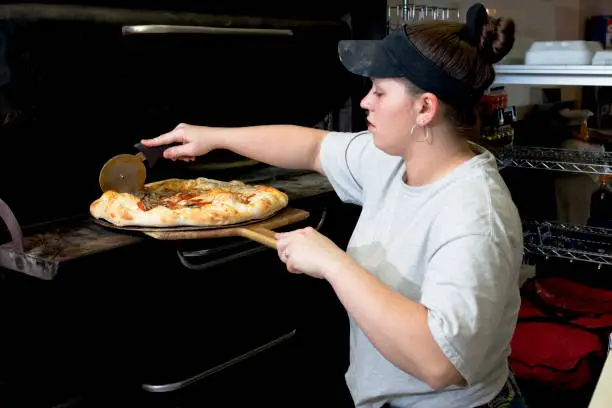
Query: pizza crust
point(192, 202)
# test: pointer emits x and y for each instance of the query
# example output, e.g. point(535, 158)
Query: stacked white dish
point(567, 53)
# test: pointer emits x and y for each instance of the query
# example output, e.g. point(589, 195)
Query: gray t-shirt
point(455, 246)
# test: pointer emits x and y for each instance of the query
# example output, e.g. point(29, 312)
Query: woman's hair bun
point(497, 38)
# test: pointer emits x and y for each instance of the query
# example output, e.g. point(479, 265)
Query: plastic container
point(602, 58)
point(562, 52)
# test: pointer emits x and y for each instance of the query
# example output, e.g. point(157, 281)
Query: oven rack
point(573, 242)
point(555, 159)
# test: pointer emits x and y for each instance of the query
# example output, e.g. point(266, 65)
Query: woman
point(430, 277)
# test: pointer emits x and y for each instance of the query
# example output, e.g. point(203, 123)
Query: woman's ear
point(427, 108)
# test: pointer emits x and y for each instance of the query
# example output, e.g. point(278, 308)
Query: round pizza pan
point(107, 224)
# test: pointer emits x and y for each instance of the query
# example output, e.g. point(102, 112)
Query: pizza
point(189, 202)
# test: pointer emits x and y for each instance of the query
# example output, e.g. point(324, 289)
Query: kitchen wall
point(596, 7)
point(537, 20)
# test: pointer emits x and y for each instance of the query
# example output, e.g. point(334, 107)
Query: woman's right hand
point(193, 140)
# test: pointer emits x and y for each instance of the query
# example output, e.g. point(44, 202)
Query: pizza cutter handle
point(262, 235)
point(152, 154)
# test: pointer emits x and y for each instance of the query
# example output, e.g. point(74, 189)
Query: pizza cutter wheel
point(126, 173)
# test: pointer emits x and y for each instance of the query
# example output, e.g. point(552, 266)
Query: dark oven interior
point(83, 81)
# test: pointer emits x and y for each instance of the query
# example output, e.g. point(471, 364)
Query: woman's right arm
point(287, 146)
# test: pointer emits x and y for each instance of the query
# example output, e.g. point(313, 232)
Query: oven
point(96, 316)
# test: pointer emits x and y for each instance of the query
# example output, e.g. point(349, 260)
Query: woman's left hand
point(307, 251)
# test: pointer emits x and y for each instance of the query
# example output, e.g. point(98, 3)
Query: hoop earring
point(412, 130)
point(427, 138)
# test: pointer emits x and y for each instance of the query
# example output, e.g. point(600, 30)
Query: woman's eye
point(377, 93)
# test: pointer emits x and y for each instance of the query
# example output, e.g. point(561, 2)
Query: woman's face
point(392, 112)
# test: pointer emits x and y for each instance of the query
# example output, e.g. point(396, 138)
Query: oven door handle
point(189, 381)
point(6, 214)
point(236, 255)
point(184, 29)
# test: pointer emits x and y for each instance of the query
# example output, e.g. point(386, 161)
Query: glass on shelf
point(402, 12)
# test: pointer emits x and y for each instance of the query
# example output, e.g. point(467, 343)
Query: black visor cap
point(370, 58)
point(396, 57)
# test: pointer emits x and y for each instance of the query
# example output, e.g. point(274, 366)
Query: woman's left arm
point(436, 340)
point(396, 325)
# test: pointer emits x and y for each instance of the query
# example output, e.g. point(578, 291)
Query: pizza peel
point(260, 231)
point(126, 173)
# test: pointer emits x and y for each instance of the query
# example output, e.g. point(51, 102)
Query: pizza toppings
point(151, 198)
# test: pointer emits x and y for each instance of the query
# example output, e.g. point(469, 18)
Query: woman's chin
point(386, 147)
point(379, 142)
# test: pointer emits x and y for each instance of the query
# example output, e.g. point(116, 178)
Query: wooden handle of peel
point(262, 235)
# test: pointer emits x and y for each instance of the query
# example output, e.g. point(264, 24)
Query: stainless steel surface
point(12, 255)
point(44, 269)
point(39, 249)
point(184, 29)
point(562, 75)
point(184, 383)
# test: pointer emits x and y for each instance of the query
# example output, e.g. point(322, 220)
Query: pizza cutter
point(126, 173)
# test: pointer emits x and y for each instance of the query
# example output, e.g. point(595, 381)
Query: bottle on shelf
point(601, 204)
point(495, 98)
point(497, 118)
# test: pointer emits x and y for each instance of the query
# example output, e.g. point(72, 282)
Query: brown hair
point(442, 42)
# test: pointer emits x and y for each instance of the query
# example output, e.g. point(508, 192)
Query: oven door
point(233, 325)
point(229, 76)
point(220, 303)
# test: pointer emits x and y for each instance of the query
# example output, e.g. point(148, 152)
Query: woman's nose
point(365, 102)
